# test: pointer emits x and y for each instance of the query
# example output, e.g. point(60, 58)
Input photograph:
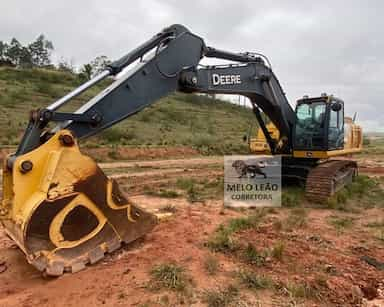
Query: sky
point(314, 46)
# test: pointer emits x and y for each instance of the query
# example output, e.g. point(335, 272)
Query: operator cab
point(319, 124)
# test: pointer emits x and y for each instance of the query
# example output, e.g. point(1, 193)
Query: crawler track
point(329, 177)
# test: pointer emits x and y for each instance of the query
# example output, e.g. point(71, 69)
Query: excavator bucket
point(63, 211)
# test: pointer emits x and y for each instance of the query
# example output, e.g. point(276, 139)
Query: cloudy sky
point(314, 46)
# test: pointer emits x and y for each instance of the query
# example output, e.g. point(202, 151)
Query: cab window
point(310, 126)
point(336, 126)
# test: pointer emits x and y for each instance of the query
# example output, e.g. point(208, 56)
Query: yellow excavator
point(321, 134)
point(64, 212)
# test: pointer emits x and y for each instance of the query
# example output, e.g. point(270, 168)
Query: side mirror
point(336, 106)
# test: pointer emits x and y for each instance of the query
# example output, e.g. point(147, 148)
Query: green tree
point(40, 51)
point(86, 72)
point(25, 59)
point(66, 65)
point(3, 50)
point(4, 60)
point(99, 64)
point(13, 52)
point(17, 54)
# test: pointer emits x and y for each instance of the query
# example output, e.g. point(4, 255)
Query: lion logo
point(243, 169)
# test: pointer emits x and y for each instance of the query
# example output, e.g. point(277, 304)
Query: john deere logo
point(225, 79)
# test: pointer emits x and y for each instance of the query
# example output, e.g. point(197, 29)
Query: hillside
point(212, 126)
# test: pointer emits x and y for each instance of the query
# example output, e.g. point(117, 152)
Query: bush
point(296, 219)
point(221, 297)
point(168, 276)
point(292, 196)
point(341, 222)
point(162, 193)
point(46, 88)
point(252, 256)
point(366, 140)
point(222, 241)
point(365, 189)
point(278, 250)
point(185, 183)
point(254, 281)
point(211, 265)
point(112, 135)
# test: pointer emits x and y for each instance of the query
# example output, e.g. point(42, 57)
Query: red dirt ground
point(317, 255)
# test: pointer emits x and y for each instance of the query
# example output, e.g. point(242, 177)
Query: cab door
point(336, 125)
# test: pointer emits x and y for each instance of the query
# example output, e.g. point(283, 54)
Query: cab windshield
point(310, 125)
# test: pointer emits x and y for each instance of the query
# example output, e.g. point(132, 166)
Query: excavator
point(64, 212)
point(321, 132)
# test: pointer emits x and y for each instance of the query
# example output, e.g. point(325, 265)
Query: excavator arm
point(169, 62)
point(250, 78)
point(58, 205)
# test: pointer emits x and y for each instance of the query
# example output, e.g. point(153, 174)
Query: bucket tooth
point(64, 212)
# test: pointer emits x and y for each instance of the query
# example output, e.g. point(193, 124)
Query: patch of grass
point(168, 208)
point(252, 256)
point(254, 281)
point(213, 189)
point(301, 291)
point(185, 183)
point(360, 186)
point(341, 223)
point(161, 193)
point(114, 153)
point(193, 195)
point(211, 265)
point(46, 88)
point(321, 280)
point(168, 276)
point(202, 189)
point(277, 225)
point(222, 241)
point(272, 210)
point(380, 235)
point(242, 223)
point(112, 135)
point(364, 191)
point(297, 218)
point(292, 196)
point(339, 202)
point(221, 297)
point(168, 193)
point(277, 250)
point(176, 120)
point(376, 223)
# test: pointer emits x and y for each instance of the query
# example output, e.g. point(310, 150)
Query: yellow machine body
point(353, 142)
point(62, 210)
point(259, 145)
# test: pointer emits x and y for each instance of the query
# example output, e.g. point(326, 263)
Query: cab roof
point(323, 98)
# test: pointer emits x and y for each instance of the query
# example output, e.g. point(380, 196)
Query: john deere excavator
point(321, 132)
point(62, 210)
